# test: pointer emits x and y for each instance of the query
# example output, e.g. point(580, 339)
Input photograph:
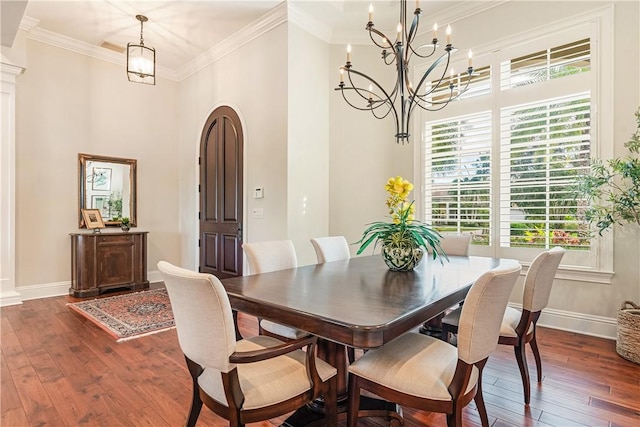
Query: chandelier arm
point(413, 100)
point(460, 92)
point(443, 104)
point(370, 108)
point(342, 89)
point(381, 35)
point(415, 23)
point(372, 81)
point(423, 56)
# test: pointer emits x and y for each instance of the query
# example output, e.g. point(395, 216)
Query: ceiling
point(181, 30)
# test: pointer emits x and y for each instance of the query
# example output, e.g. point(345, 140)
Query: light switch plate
point(258, 193)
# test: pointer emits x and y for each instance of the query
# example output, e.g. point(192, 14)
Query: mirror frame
point(82, 188)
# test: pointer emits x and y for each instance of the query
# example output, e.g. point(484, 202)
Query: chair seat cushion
point(510, 321)
point(413, 364)
point(282, 330)
point(266, 382)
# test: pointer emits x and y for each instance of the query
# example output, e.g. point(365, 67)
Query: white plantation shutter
point(552, 63)
point(501, 162)
point(458, 173)
point(543, 146)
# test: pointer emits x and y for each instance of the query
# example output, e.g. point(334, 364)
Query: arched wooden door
point(221, 150)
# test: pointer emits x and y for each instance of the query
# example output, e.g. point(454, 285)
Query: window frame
point(596, 24)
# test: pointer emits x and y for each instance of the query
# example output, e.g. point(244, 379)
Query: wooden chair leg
point(351, 354)
point(536, 356)
point(455, 419)
point(196, 402)
point(353, 402)
point(194, 411)
point(521, 358)
point(479, 399)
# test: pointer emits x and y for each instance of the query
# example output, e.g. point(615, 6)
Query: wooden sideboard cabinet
point(108, 260)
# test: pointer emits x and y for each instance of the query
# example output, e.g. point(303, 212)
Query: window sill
point(577, 274)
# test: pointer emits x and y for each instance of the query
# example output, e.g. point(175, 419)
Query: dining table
point(357, 303)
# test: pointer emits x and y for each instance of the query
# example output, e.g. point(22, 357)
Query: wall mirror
point(109, 185)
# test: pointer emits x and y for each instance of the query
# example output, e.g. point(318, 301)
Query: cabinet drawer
point(115, 239)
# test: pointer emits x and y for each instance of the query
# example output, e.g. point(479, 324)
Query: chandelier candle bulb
point(341, 72)
point(435, 31)
point(470, 56)
point(448, 35)
point(349, 53)
point(400, 32)
point(370, 12)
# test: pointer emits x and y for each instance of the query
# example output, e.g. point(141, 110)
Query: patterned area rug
point(129, 316)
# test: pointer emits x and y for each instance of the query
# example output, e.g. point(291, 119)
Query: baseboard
point(45, 290)
point(48, 290)
point(586, 324)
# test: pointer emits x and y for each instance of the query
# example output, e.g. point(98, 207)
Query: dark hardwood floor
point(59, 369)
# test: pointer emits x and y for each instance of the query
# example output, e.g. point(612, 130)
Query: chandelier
point(432, 93)
point(141, 60)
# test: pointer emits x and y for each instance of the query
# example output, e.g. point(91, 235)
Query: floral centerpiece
point(404, 239)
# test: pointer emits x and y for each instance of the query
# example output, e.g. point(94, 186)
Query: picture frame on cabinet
point(92, 218)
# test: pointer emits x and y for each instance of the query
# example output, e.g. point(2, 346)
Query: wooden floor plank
point(73, 373)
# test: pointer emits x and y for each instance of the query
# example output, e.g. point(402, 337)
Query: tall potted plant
point(612, 188)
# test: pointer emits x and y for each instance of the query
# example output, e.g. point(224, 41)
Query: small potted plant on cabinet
point(125, 224)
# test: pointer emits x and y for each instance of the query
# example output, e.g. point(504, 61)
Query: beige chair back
point(203, 316)
point(273, 255)
point(456, 244)
point(482, 313)
point(332, 248)
point(537, 285)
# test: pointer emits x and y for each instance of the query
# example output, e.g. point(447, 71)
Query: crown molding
point(309, 23)
point(285, 12)
point(468, 9)
point(264, 24)
point(87, 49)
point(449, 15)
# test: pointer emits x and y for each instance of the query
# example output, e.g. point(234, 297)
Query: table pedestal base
point(312, 415)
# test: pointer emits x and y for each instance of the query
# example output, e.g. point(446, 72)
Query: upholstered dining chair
point(244, 381)
point(331, 248)
point(267, 256)
point(429, 374)
point(519, 326)
point(454, 245)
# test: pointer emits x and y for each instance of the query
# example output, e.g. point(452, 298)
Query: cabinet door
point(115, 256)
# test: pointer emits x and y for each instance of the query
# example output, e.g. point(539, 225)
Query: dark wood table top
point(357, 302)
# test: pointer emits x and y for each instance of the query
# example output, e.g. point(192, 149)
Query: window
point(501, 163)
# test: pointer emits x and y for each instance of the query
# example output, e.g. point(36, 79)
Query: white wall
point(363, 153)
point(308, 142)
point(252, 80)
point(68, 103)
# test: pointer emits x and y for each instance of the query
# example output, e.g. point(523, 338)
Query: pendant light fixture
point(141, 60)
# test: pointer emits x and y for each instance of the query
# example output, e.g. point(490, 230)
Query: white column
point(8, 294)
